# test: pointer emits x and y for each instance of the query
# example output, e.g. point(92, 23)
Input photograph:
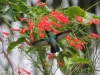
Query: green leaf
point(9, 15)
point(68, 63)
point(63, 68)
point(63, 54)
point(72, 51)
point(3, 1)
point(79, 60)
point(81, 54)
point(1, 9)
point(74, 10)
point(89, 15)
point(24, 8)
point(15, 43)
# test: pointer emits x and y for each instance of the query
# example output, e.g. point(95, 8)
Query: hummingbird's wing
point(40, 42)
point(61, 35)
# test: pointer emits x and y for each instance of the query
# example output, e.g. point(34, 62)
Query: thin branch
point(6, 54)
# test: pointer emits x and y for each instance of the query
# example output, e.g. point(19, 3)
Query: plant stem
point(6, 22)
point(42, 62)
point(6, 54)
point(92, 5)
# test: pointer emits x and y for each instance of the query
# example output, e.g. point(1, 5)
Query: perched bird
point(51, 40)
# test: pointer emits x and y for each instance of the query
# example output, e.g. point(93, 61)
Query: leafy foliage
point(40, 24)
point(15, 43)
point(73, 11)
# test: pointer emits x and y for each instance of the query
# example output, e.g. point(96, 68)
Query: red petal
point(26, 71)
point(6, 33)
point(14, 29)
point(19, 71)
point(94, 35)
point(50, 56)
point(78, 47)
point(28, 43)
point(60, 63)
point(42, 4)
point(22, 19)
point(79, 19)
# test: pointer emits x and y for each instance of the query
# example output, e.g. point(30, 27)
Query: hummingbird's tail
point(54, 49)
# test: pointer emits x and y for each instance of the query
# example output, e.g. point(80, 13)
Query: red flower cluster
point(74, 42)
point(45, 25)
point(95, 35)
point(19, 71)
point(95, 21)
point(59, 16)
point(79, 19)
point(28, 28)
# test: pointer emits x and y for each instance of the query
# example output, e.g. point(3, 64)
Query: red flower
point(55, 31)
point(96, 22)
point(30, 24)
point(22, 31)
point(60, 63)
point(42, 4)
point(14, 29)
point(43, 25)
point(6, 33)
point(55, 24)
point(50, 56)
point(30, 27)
point(79, 19)
point(26, 71)
point(59, 16)
point(28, 43)
point(75, 42)
point(19, 71)
point(31, 39)
point(41, 35)
point(22, 19)
point(93, 35)
point(81, 42)
point(31, 36)
point(68, 37)
point(72, 43)
point(78, 47)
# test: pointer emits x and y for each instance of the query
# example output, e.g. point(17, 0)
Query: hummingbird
point(51, 40)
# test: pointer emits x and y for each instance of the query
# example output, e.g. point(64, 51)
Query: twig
point(6, 54)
